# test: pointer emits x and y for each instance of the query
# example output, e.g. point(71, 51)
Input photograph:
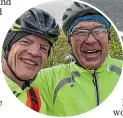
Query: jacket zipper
point(95, 82)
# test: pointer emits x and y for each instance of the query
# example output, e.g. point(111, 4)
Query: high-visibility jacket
point(29, 96)
point(69, 89)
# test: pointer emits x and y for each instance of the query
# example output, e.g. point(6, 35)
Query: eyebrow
point(100, 26)
point(45, 45)
point(26, 37)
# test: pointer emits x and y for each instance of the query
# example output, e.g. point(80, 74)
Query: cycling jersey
point(69, 89)
point(29, 96)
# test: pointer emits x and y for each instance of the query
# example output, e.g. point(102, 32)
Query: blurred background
point(112, 8)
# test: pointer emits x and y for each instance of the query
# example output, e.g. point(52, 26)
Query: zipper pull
point(73, 75)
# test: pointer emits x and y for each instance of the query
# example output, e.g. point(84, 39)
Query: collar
point(13, 86)
point(80, 69)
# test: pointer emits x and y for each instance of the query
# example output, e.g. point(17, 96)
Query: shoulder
point(51, 75)
point(115, 62)
point(55, 69)
point(52, 72)
point(115, 65)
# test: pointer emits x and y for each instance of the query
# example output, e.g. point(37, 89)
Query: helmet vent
point(64, 17)
point(77, 4)
point(46, 19)
point(69, 9)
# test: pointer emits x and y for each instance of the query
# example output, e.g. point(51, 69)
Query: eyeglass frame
point(90, 31)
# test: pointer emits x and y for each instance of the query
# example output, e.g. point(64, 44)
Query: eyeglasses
point(97, 33)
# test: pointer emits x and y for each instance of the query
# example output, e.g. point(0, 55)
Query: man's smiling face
point(28, 55)
point(92, 50)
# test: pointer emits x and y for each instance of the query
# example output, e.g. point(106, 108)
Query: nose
point(91, 39)
point(34, 50)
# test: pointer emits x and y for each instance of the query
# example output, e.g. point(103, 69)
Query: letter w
point(116, 112)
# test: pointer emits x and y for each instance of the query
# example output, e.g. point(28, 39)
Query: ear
point(109, 42)
point(70, 47)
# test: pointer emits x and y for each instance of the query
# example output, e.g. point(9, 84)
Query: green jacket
point(71, 90)
point(22, 94)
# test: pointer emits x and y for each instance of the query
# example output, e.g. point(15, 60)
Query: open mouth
point(29, 62)
point(92, 52)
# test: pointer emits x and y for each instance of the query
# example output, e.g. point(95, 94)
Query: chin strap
point(26, 82)
point(78, 64)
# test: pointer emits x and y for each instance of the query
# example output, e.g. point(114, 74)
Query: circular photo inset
point(62, 62)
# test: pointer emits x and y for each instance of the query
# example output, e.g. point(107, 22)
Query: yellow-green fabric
point(69, 89)
point(23, 94)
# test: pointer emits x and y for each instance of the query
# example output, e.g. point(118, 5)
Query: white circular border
point(12, 107)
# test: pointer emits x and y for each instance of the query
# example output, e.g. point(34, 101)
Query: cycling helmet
point(34, 21)
point(76, 10)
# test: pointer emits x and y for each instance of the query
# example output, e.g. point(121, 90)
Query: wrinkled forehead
point(87, 25)
point(36, 39)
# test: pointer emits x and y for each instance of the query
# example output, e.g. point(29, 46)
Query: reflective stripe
point(115, 69)
point(63, 82)
point(16, 27)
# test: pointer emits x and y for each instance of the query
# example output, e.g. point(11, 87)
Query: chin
point(95, 66)
point(91, 66)
point(26, 76)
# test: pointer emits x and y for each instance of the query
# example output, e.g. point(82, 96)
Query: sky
point(56, 8)
point(112, 8)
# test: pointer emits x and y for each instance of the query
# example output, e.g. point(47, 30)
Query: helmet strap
point(26, 82)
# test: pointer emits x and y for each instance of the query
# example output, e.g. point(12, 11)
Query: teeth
point(28, 62)
point(90, 51)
